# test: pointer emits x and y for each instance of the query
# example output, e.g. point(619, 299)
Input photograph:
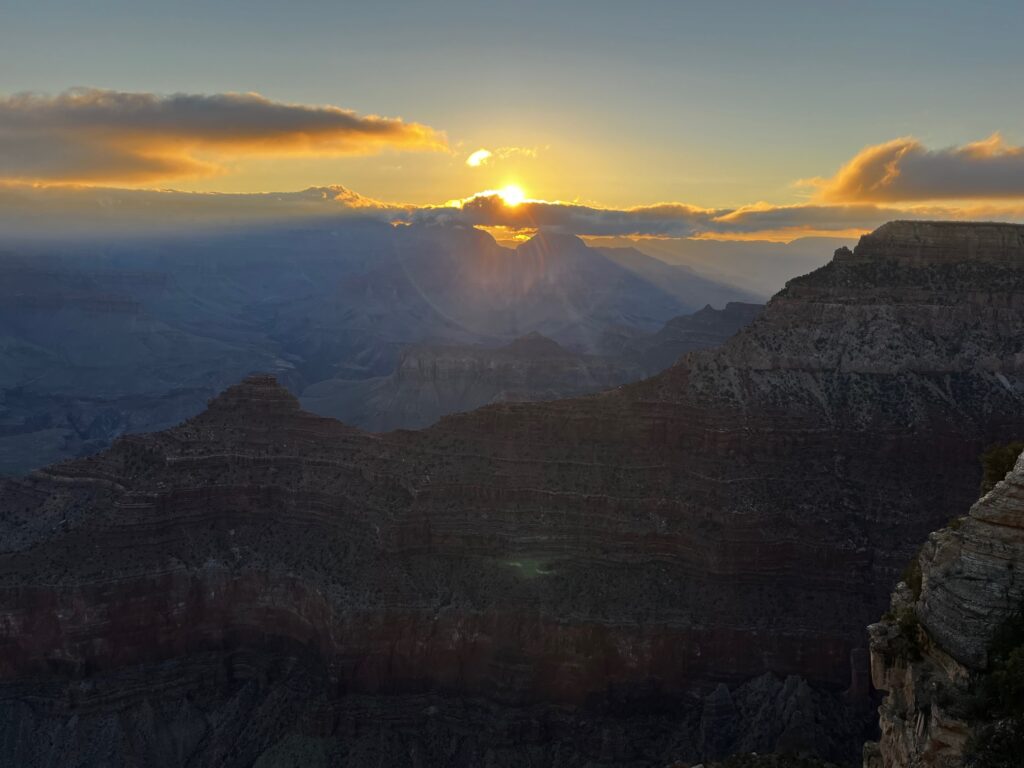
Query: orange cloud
point(761, 221)
point(87, 135)
point(52, 210)
point(904, 170)
point(493, 209)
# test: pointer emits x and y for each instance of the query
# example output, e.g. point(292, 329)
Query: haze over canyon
point(527, 385)
point(679, 568)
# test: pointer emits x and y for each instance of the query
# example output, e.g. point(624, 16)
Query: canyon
point(104, 337)
point(675, 569)
point(431, 381)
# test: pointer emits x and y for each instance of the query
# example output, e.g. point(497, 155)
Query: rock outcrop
point(922, 243)
point(555, 582)
point(932, 652)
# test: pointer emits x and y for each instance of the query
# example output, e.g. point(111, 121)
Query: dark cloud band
point(27, 209)
point(90, 135)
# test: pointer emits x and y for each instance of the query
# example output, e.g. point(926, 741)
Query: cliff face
point(921, 243)
point(679, 567)
point(933, 651)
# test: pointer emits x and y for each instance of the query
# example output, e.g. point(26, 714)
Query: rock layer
point(931, 647)
point(741, 515)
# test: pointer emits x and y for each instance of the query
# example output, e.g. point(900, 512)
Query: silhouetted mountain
point(105, 337)
point(674, 569)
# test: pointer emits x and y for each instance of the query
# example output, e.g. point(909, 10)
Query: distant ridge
point(704, 547)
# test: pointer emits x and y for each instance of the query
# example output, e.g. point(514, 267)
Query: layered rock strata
point(933, 650)
point(575, 564)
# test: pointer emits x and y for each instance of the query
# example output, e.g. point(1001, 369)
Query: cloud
point(670, 219)
point(662, 220)
point(760, 220)
point(904, 170)
point(485, 156)
point(58, 210)
point(50, 210)
point(478, 158)
point(763, 217)
point(87, 135)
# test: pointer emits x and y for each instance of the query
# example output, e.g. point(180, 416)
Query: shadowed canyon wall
point(700, 551)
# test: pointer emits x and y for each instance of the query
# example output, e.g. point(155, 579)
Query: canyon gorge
point(679, 568)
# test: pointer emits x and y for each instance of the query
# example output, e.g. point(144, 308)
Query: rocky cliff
point(678, 568)
point(938, 653)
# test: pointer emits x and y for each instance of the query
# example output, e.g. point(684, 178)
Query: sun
point(512, 195)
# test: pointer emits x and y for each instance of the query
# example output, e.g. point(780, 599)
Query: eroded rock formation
point(933, 649)
point(560, 582)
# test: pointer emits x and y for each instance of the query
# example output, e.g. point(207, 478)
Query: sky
point(718, 119)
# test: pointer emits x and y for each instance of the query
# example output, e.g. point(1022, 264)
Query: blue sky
point(713, 104)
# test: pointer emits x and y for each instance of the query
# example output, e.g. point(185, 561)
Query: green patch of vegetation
point(912, 575)
point(530, 567)
point(908, 644)
point(910, 634)
point(996, 462)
